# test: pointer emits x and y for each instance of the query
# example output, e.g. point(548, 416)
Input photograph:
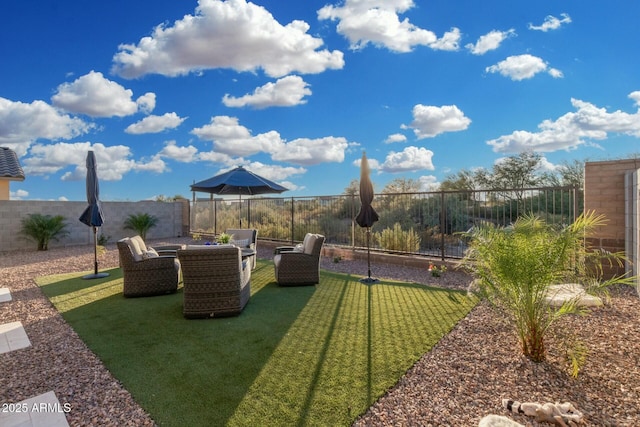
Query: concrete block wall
point(605, 193)
point(173, 221)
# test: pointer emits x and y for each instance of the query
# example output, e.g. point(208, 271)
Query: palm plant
point(514, 267)
point(141, 223)
point(43, 229)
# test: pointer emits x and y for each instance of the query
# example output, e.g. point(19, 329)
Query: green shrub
point(514, 267)
point(396, 239)
point(140, 223)
point(43, 228)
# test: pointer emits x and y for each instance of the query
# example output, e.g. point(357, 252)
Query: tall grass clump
point(514, 267)
point(397, 239)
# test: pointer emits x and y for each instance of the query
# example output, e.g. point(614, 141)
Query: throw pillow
point(244, 243)
point(150, 253)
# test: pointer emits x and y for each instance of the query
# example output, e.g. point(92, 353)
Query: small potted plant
point(224, 238)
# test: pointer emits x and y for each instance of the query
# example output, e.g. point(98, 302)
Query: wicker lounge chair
point(299, 265)
point(217, 282)
point(145, 272)
point(245, 238)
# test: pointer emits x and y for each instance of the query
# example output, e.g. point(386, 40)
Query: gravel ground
point(463, 378)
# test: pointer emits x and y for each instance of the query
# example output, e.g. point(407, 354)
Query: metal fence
point(426, 223)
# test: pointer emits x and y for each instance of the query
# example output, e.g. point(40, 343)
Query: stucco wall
point(173, 220)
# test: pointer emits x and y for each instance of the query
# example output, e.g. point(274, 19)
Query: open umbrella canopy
point(92, 216)
point(367, 215)
point(238, 181)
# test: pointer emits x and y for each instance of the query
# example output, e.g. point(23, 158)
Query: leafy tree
point(514, 267)
point(515, 172)
point(402, 185)
point(570, 174)
point(141, 223)
point(463, 180)
point(43, 229)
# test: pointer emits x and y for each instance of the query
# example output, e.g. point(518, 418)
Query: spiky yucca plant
point(514, 267)
point(43, 228)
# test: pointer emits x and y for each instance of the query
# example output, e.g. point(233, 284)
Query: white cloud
point(429, 121)
point(155, 165)
point(23, 124)
point(231, 138)
point(489, 41)
point(285, 92)
point(520, 67)
point(305, 151)
point(18, 195)
point(570, 130)
point(96, 96)
point(551, 23)
point(274, 172)
point(111, 162)
point(226, 34)
point(378, 22)
point(373, 163)
point(636, 97)
point(155, 124)
point(428, 183)
point(396, 137)
point(180, 154)
point(409, 159)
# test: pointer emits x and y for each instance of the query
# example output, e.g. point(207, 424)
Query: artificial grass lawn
point(313, 355)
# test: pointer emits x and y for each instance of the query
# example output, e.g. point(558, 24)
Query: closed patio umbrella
point(238, 181)
point(367, 215)
point(92, 215)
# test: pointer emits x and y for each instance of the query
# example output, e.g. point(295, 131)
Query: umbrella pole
point(95, 251)
point(369, 279)
point(95, 274)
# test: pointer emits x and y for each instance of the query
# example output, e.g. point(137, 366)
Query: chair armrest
point(159, 262)
point(281, 249)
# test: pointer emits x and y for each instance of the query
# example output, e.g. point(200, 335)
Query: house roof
point(10, 168)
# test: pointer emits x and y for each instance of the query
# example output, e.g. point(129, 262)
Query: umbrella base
point(369, 280)
point(96, 276)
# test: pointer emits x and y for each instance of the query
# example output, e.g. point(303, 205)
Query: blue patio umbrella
point(238, 181)
point(92, 215)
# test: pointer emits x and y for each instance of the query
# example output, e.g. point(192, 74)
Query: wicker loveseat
point(299, 265)
point(217, 282)
point(146, 272)
point(245, 238)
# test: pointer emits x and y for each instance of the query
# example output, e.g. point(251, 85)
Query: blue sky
point(171, 92)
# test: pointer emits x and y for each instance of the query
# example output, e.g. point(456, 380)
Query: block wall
point(604, 193)
point(173, 221)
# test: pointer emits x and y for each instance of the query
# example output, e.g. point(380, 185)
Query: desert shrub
point(43, 228)
point(397, 239)
point(140, 223)
point(515, 265)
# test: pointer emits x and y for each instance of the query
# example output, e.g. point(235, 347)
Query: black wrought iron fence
point(427, 223)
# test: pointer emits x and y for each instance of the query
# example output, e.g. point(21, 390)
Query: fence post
point(443, 224)
point(292, 221)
